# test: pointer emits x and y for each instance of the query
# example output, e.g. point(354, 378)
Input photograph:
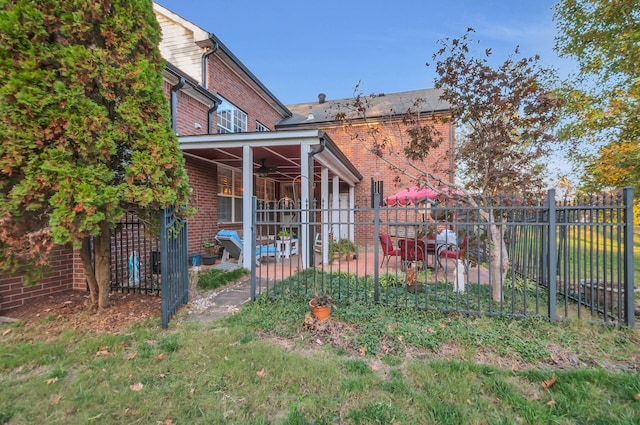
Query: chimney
point(321, 97)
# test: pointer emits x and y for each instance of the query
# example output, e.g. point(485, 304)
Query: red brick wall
point(204, 225)
point(189, 112)
point(60, 277)
point(227, 84)
point(371, 166)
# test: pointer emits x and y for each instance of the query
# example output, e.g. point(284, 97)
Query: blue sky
point(301, 48)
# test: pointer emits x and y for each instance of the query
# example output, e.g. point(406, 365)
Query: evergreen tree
point(85, 133)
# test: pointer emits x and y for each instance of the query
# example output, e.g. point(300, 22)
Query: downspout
point(210, 118)
point(311, 154)
point(320, 149)
point(174, 103)
point(205, 67)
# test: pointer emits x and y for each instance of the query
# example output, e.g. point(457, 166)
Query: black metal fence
point(515, 257)
point(174, 267)
point(135, 258)
point(142, 262)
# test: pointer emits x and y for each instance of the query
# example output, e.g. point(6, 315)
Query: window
point(261, 127)
point(230, 190)
point(229, 195)
point(265, 189)
point(230, 118)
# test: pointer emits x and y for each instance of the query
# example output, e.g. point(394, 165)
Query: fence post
point(376, 250)
point(552, 256)
point(254, 219)
point(629, 286)
point(164, 243)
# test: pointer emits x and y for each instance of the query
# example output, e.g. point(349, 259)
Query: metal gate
point(174, 267)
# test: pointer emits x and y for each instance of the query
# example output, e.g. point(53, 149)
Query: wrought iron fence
point(144, 263)
point(516, 257)
point(135, 258)
point(173, 263)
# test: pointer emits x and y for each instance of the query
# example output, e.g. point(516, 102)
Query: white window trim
point(261, 127)
point(236, 123)
point(235, 173)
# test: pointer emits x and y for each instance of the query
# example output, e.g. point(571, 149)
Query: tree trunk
point(98, 277)
point(89, 272)
point(499, 261)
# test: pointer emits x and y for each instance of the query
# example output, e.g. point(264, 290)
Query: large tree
point(603, 36)
point(505, 118)
point(85, 133)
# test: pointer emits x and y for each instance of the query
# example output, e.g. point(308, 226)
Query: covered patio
point(307, 160)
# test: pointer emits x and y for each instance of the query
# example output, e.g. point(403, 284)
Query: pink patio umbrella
point(417, 195)
point(413, 195)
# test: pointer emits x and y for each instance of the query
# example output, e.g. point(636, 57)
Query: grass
point(591, 251)
point(371, 365)
point(215, 278)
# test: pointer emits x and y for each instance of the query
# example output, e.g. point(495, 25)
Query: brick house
point(239, 140)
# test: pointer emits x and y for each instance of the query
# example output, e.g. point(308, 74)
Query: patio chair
point(431, 249)
point(388, 248)
point(412, 251)
point(233, 248)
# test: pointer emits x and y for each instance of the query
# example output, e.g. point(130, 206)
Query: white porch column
point(306, 248)
point(335, 208)
point(247, 193)
point(352, 215)
point(324, 204)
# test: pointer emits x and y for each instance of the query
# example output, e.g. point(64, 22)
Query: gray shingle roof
point(379, 105)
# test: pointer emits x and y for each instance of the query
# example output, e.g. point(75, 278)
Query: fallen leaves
point(131, 356)
point(136, 387)
point(103, 351)
point(260, 373)
point(52, 380)
point(548, 383)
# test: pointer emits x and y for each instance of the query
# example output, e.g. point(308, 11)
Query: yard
point(365, 365)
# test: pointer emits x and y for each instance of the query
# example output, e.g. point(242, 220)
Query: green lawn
point(583, 251)
point(367, 365)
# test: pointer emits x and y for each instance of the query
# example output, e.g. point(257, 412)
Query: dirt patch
point(313, 336)
point(71, 309)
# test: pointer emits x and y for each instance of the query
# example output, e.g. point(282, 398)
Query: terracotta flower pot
point(321, 312)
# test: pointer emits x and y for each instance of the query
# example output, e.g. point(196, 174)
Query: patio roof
point(280, 150)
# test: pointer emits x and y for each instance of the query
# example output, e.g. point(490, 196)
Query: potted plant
point(321, 307)
point(285, 234)
point(211, 251)
point(334, 250)
point(347, 248)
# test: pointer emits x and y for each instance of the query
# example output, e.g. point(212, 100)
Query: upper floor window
point(261, 127)
point(230, 118)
